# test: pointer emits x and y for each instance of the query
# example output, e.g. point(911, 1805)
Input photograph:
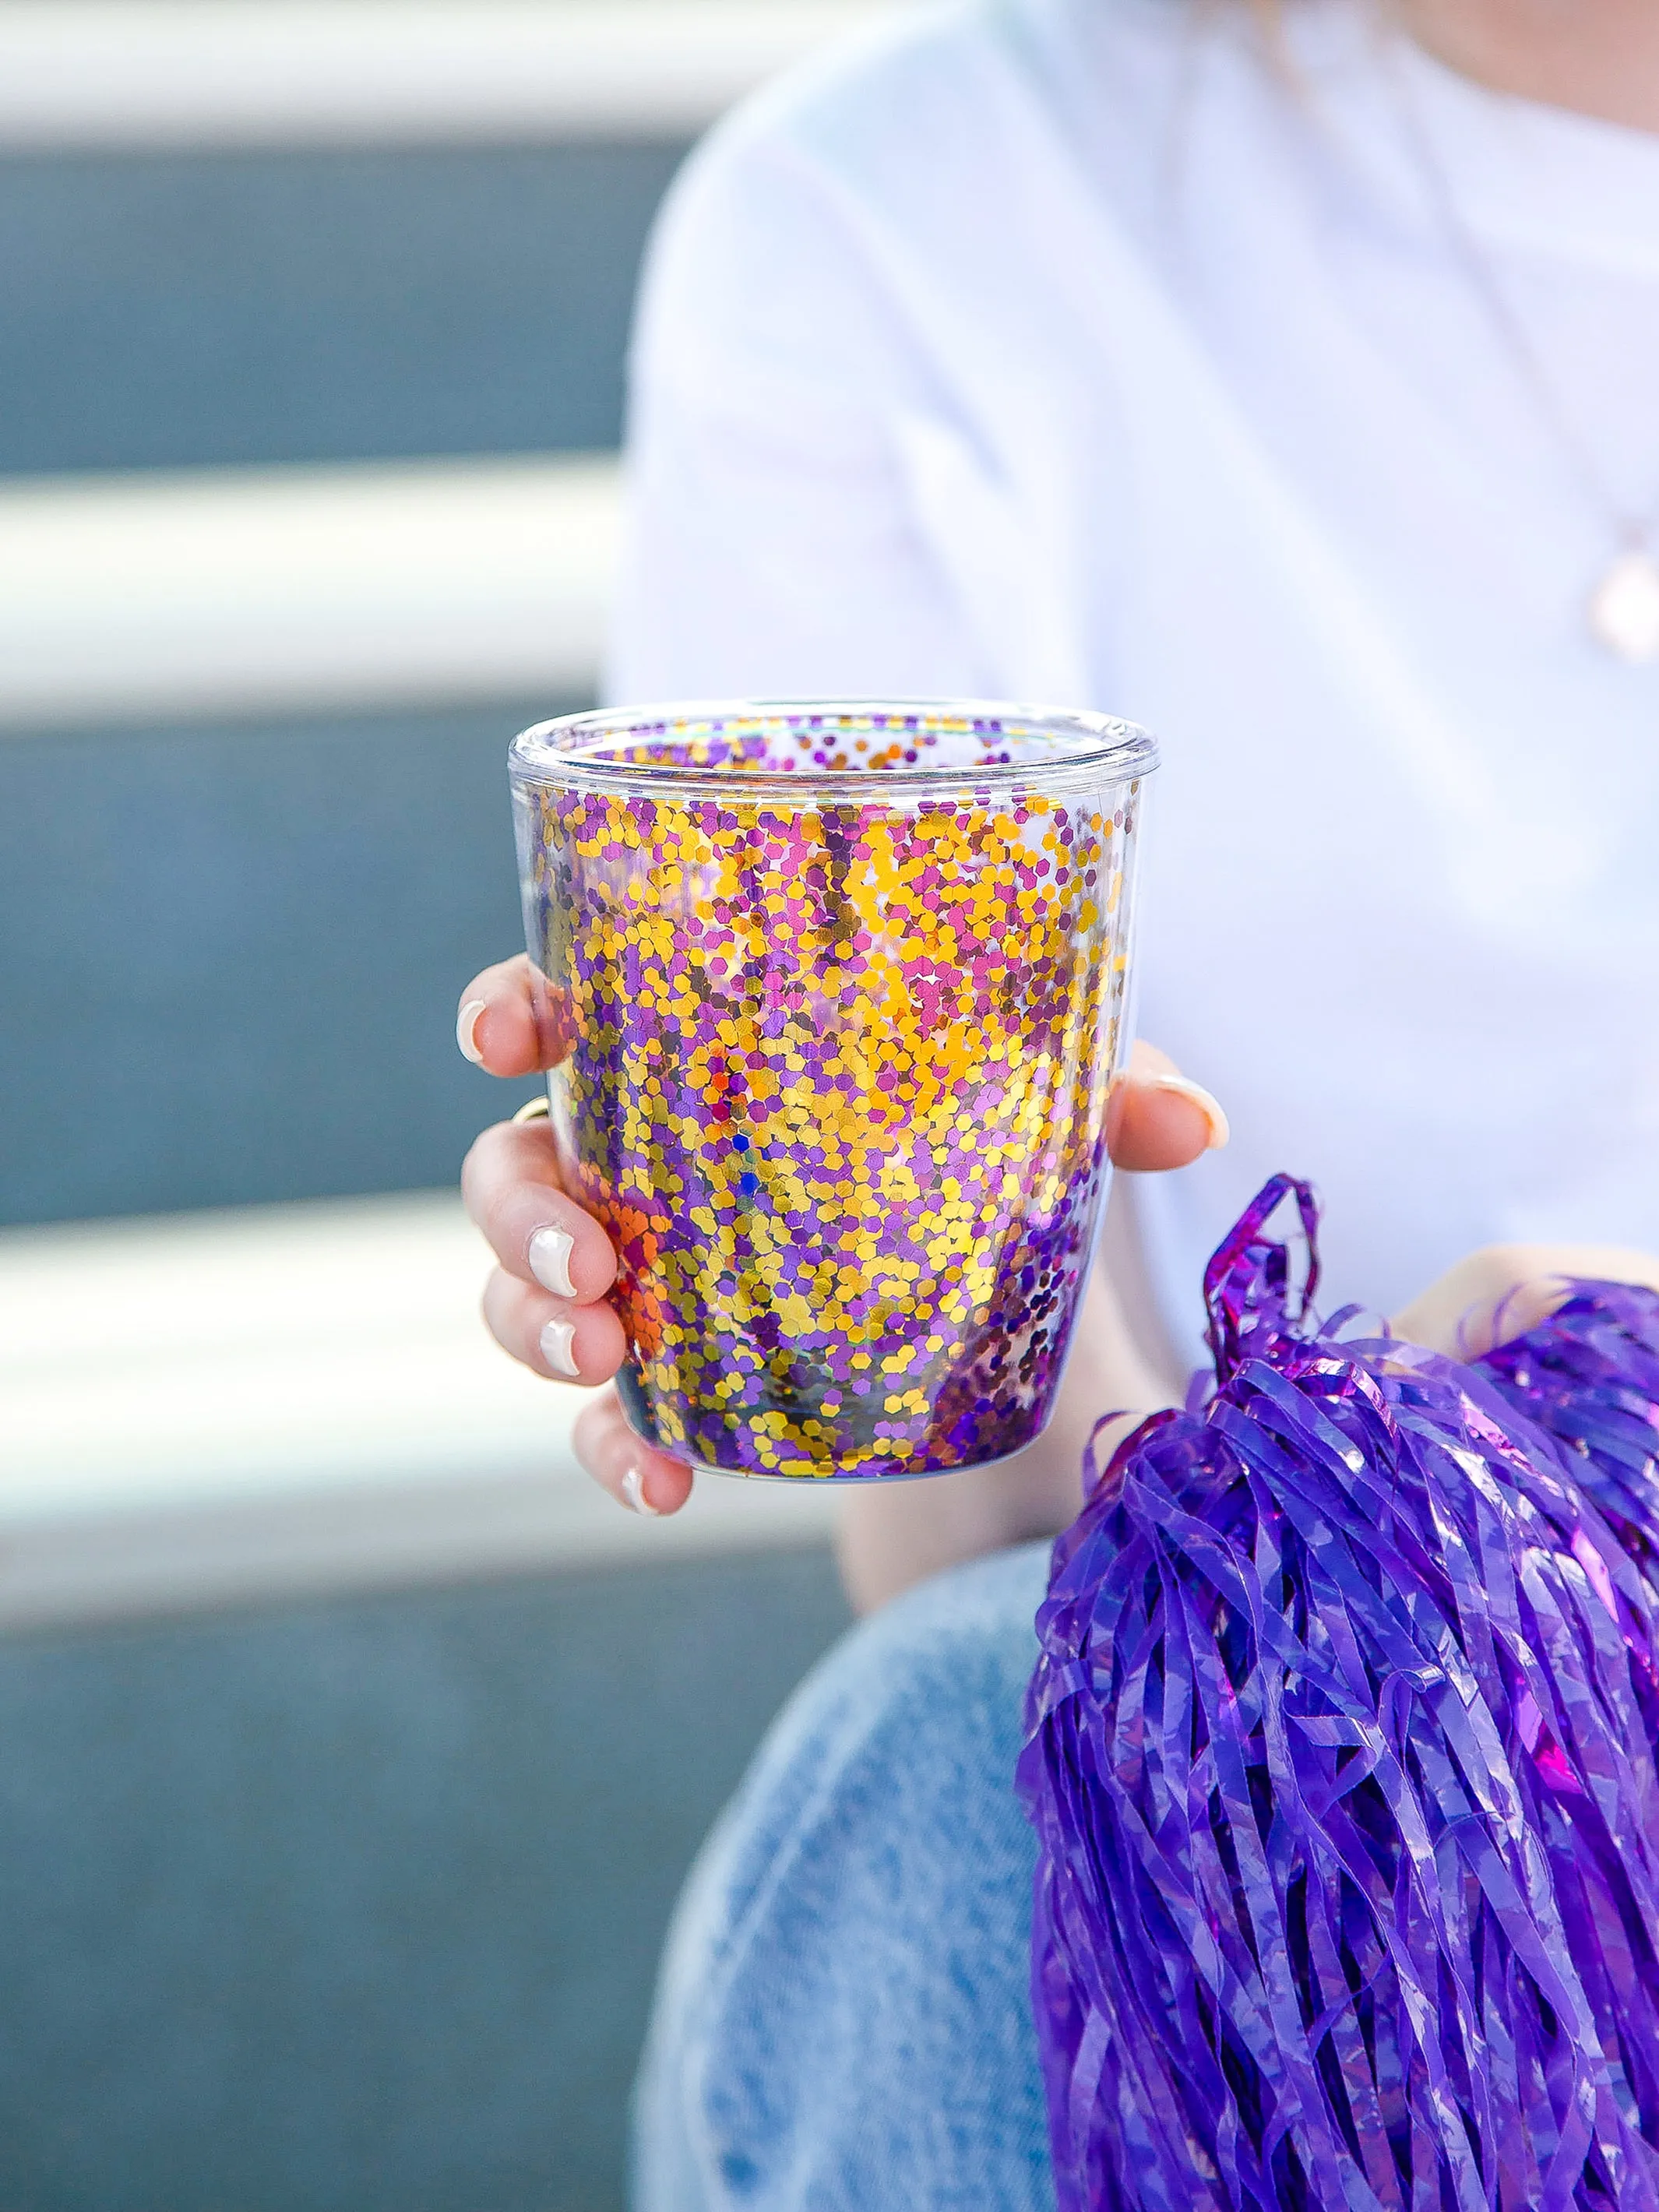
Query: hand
point(1504, 1290)
point(545, 1303)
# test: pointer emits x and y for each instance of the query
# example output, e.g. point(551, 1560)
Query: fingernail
point(555, 1341)
point(1207, 1102)
point(633, 1491)
point(467, 1023)
point(548, 1254)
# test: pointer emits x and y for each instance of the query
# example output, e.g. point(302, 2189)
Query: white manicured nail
point(1207, 1102)
point(548, 1254)
point(465, 1023)
point(555, 1341)
point(633, 1491)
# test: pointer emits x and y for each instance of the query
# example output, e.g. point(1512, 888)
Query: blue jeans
point(843, 2022)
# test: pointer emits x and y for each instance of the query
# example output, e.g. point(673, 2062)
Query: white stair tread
point(128, 74)
point(268, 591)
point(216, 1407)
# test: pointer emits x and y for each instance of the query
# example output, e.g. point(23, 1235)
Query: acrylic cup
point(840, 990)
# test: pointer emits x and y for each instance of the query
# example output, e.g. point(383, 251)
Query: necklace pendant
point(1624, 612)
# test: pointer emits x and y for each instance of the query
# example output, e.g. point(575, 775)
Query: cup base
point(893, 1472)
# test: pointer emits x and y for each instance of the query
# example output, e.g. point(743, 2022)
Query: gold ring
point(534, 1109)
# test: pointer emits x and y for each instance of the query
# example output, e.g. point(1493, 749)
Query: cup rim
point(1094, 749)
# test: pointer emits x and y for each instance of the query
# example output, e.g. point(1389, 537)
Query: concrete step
point(78, 74)
point(240, 1406)
point(217, 307)
point(162, 596)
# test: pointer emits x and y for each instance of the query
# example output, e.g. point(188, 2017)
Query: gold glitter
point(839, 1064)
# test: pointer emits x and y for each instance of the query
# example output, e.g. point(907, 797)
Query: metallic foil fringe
point(1341, 1761)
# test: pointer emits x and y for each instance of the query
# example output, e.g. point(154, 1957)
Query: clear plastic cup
point(840, 990)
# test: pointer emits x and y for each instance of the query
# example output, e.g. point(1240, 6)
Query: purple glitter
point(838, 1064)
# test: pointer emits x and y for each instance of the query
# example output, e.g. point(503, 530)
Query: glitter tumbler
point(839, 991)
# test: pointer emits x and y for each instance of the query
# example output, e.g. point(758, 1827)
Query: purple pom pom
point(1590, 1375)
point(1341, 1766)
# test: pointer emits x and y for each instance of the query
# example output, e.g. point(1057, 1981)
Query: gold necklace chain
point(1623, 609)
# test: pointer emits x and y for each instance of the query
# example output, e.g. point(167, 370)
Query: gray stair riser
point(233, 957)
point(171, 310)
point(356, 1908)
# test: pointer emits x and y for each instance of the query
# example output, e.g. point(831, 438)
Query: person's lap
point(844, 2018)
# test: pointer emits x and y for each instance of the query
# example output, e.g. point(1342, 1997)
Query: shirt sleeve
point(771, 547)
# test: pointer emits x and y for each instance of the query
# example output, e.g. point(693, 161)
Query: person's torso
point(1215, 431)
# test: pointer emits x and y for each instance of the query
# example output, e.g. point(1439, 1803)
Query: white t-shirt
point(1071, 350)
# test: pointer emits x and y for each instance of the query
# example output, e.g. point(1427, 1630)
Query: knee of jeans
point(851, 1951)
